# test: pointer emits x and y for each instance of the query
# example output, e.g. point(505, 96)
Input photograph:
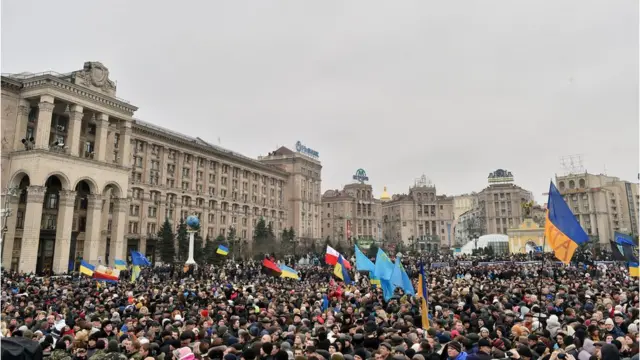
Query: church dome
point(385, 195)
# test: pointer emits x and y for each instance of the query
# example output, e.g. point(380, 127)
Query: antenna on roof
point(218, 140)
point(572, 164)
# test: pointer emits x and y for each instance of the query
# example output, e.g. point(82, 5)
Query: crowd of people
point(235, 311)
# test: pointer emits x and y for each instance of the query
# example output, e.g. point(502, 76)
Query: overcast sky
point(449, 89)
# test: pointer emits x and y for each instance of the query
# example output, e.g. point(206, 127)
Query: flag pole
point(544, 244)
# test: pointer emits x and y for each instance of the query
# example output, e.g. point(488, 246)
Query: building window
point(152, 211)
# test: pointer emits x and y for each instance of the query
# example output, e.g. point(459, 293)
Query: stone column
point(118, 225)
point(31, 232)
point(125, 144)
point(63, 231)
point(142, 244)
point(111, 138)
point(75, 127)
point(93, 228)
point(9, 237)
point(21, 127)
point(102, 127)
point(43, 129)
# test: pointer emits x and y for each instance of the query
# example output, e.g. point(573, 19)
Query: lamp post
point(6, 211)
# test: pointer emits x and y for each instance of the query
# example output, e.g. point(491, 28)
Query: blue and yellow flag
point(86, 268)
point(222, 250)
point(135, 273)
point(341, 271)
point(423, 295)
point(120, 264)
point(288, 272)
point(373, 280)
point(562, 230)
point(633, 269)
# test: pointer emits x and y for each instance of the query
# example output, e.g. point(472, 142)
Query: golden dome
point(385, 195)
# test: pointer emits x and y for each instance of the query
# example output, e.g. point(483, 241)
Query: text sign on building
point(361, 176)
point(500, 176)
point(305, 150)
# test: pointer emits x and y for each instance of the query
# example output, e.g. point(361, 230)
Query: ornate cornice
point(67, 197)
point(46, 80)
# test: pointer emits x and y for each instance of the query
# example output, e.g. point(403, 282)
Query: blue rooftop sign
point(305, 150)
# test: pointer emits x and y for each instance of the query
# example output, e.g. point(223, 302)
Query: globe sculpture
point(193, 223)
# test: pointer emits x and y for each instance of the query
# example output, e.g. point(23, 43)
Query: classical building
point(464, 203)
point(420, 219)
point(303, 188)
point(603, 204)
point(93, 183)
point(351, 215)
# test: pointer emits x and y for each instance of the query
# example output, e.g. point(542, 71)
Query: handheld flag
point(626, 246)
point(120, 264)
point(561, 228)
point(222, 250)
point(106, 274)
point(332, 255)
point(373, 280)
point(271, 268)
point(86, 268)
point(633, 270)
point(135, 273)
point(138, 259)
point(423, 294)
point(362, 262)
point(384, 267)
point(288, 272)
point(340, 271)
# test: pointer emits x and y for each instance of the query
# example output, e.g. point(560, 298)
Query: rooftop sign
point(305, 150)
point(500, 176)
point(360, 176)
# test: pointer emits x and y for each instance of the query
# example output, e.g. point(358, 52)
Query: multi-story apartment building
point(351, 215)
point(603, 204)
point(464, 203)
point(420, 219)
point(92, 183)
point(303, 188)
point(502, 206)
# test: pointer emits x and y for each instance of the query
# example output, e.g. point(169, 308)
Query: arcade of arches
point(56, 224)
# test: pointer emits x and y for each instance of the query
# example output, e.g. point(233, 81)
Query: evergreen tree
point(231, 241)
point(198, 250)
point(183, 241)
point(373, 251)
point(261, 238)
point(209, 250)
point(166, 247)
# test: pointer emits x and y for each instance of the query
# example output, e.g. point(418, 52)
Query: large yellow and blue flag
point(288, 272)
point(423, 295)
point(373, 280)
point(86, 268)
point(561, 229)
point(340, 271)
point(384, 267)
point(362, 261)
point(120, 264)
point(135, 273)
point(633, 269)
point(222, 250)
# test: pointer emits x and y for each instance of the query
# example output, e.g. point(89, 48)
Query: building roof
point(385, 195)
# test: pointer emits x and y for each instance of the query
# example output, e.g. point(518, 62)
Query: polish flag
point(331, 257)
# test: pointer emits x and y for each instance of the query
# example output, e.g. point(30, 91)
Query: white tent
point(499, 243)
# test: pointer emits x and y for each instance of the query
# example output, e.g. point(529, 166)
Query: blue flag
point(384, 267)
point(362, 262)
point(138, 259)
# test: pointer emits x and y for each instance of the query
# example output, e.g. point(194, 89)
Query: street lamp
point(6, 212)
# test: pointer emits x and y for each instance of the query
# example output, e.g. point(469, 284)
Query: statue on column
point(527, 208)
point(193, 226)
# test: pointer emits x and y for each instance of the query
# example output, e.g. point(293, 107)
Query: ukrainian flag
point(288, 272)
point(633, 269)
point(561, 229)
point(341, 272)
point(135, 273)
point(120, 264)
point(86, 268)
point(222, 250)
point(423, 295)
point(373, 280)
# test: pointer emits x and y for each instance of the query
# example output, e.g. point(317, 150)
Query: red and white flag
point(332, 255)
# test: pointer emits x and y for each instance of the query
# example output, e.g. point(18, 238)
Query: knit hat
point(455, 345)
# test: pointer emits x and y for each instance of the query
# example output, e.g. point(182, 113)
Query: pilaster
point(75, 126)
point(102, 127)
point(21, 127)
point(43, 129)
point(31, 232)
point(125, 144)
point(64, 226)
point(120, 208)
point(94, 226)
point(9, 237)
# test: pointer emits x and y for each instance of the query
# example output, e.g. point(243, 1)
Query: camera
point(561, 356)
